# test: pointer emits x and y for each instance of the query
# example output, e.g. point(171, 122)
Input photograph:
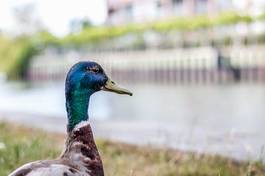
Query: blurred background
point(196, 68)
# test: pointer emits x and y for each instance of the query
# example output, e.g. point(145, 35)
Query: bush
point(15, 55)
point(98, 34)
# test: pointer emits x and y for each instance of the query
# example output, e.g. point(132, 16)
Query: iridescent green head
point(84, 79)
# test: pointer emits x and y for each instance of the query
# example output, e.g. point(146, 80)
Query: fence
point(176, 66)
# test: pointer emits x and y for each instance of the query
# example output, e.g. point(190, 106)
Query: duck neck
point(77, 102)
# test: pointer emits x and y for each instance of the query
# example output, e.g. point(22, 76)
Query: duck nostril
point(112, 82)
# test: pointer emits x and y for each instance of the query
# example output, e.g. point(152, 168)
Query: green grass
point(24, 145)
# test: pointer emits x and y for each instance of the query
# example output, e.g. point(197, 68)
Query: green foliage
point(182, 24)
point(231, 18)
point(24, 145)
point(15, 55)
point(97, 35)
point(261, 17)
point(103, 33)
point(44, 39)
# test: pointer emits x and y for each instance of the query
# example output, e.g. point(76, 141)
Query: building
point(127, 11)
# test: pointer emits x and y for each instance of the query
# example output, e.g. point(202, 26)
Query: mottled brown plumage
point(80, 157)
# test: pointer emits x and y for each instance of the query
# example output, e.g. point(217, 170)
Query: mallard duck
point(80, 157)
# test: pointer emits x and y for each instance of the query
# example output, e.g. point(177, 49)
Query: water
point(226, 120)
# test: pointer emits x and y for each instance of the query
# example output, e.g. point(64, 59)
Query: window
point(201, 6)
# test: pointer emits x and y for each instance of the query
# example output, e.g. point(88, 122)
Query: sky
point(55, 15)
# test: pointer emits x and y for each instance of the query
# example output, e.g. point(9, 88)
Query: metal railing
point(175, 66)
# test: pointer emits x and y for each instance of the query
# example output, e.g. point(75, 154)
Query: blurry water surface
point(223, 119)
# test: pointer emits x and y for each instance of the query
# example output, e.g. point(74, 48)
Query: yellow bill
point(112, 87)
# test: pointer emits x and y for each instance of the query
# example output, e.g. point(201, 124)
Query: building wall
point(127, 11)
point(124, 11)
point(251, 7)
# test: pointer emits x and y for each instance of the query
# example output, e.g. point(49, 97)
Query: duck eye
point(94, 69)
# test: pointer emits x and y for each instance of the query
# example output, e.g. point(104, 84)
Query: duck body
point(80, 157)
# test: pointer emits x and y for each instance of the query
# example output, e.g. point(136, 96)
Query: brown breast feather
point(80, 156)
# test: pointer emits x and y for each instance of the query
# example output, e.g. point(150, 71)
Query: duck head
point(89, 76)
point(84, 79)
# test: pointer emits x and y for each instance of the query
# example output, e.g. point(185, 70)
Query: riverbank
point(19, 145)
